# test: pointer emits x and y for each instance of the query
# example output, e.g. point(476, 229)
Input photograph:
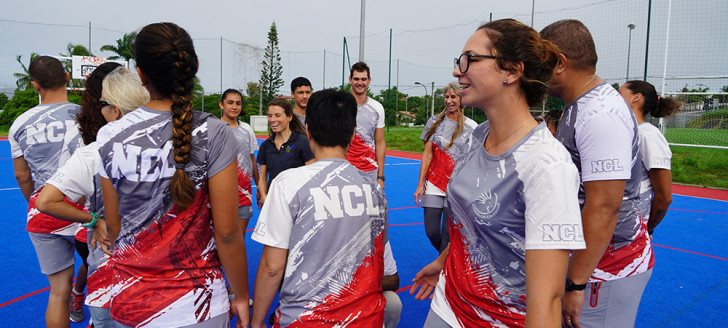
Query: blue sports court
point(688, 286)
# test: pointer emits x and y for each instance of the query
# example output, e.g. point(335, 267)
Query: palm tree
point(23, 79)
point(124, 47)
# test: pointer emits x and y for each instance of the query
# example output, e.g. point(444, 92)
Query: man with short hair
point(41, 140)
point(325, 226)
point(368, 149)
point(600, 132)
point(300, 91)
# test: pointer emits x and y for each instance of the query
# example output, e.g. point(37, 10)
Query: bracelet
point(380, 177)
point(93, 222)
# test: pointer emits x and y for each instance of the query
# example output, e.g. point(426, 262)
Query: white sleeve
point(275, 222)
point(380, 111)
point(253, 140)
point(553, 216)
point(75, 178)
point(390, 266)
point(654, 150)
point(605, 147)
point(15, 150)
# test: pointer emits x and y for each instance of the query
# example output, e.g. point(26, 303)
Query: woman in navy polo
point(286, 148)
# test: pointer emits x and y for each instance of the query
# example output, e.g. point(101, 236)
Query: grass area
point(695, 166)
point(404, 139)
point(713, 137)
point(700, 166)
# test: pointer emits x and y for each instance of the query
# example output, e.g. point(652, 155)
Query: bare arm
point(229, 238)
point(111, 209)
point(262, 185)
point(424, 166)
point(23, 177)
point(599, 217)
point(256, 177)
point(52, 201)
point(391, 282)
point(429, 276)
point(545, 274)
point(380, 150)
point(661, 180)
point(270, 273)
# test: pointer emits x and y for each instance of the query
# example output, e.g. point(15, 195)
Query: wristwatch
point(380, 177)
point(571, 286)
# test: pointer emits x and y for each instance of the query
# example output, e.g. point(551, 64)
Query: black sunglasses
point(464, 64)
point(103, 104)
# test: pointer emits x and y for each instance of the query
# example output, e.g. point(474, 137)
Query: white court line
point(402, 164)
point(3, 189)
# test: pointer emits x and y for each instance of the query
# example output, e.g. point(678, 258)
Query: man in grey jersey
point(41, 140)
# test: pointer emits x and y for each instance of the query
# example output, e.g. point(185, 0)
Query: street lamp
point(629, 46)
point(423, 86)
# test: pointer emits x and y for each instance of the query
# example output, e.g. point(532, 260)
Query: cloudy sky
point(426, 34)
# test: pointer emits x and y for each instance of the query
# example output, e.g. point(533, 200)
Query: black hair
point(299, 82)
point(89, 118)
point(359, 67)
point(654, 104)
point(48, 72)
point(237, 92)
point(331, 117)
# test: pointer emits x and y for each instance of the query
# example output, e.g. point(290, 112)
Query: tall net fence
point(685, 56)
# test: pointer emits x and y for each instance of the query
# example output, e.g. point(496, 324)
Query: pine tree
point(270, 75)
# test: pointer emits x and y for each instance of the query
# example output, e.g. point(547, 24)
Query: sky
point(426, 35)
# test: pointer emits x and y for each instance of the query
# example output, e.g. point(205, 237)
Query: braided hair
point(455, 87)
point(165, 53)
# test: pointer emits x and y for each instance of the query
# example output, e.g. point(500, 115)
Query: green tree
point(270, 75)
point(124, 47)
point(615, 85)
point(22, 81)
point(3, 100)
point(21, 101)
point(251, 103)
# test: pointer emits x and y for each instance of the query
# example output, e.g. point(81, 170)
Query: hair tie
point(179, 166)
point(658, 99)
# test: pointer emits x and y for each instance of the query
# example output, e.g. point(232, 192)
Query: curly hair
point(89, 118)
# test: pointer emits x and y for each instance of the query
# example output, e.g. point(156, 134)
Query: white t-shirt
point(75, 179)
point(654, 150)
point(390, 265)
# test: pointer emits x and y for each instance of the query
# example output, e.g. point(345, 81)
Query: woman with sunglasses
point(446, 137)
point(78, 181)
point(656, 192)
point(512, 199)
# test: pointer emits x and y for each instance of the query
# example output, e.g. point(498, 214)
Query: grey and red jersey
point(444, 159)
point(600, 132)
point(501, 206)
point(166, 269)
point(45, 136)
point(247, 145)
point(362, 150)
point(332, 218)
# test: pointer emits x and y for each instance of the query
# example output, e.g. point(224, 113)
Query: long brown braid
point(455, 87)
point(164, 51)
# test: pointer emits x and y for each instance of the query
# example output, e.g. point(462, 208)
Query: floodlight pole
point(629, 48)
point(423, 86)
point(432, 108)
point(361, 30)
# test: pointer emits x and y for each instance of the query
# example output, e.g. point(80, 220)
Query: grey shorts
point(221, 321)
point(245, 212)
point(433, 201)
point(613, 303)
point(434, 321)
point(55, 252)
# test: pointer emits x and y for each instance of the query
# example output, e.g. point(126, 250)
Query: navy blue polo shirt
point(293, 153)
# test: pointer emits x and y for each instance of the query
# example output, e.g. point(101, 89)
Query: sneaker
point(75, 308)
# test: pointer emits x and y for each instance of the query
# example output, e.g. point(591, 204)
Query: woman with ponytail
point(446, 137)
point(510, 199)
point(170, 191)
point(656, 192)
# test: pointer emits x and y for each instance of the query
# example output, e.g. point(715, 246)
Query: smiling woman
point(286, 148)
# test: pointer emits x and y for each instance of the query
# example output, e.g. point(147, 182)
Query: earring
point(505, 82)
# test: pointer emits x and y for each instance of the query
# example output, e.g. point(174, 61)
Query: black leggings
point(437, 231)
point(82, 250)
